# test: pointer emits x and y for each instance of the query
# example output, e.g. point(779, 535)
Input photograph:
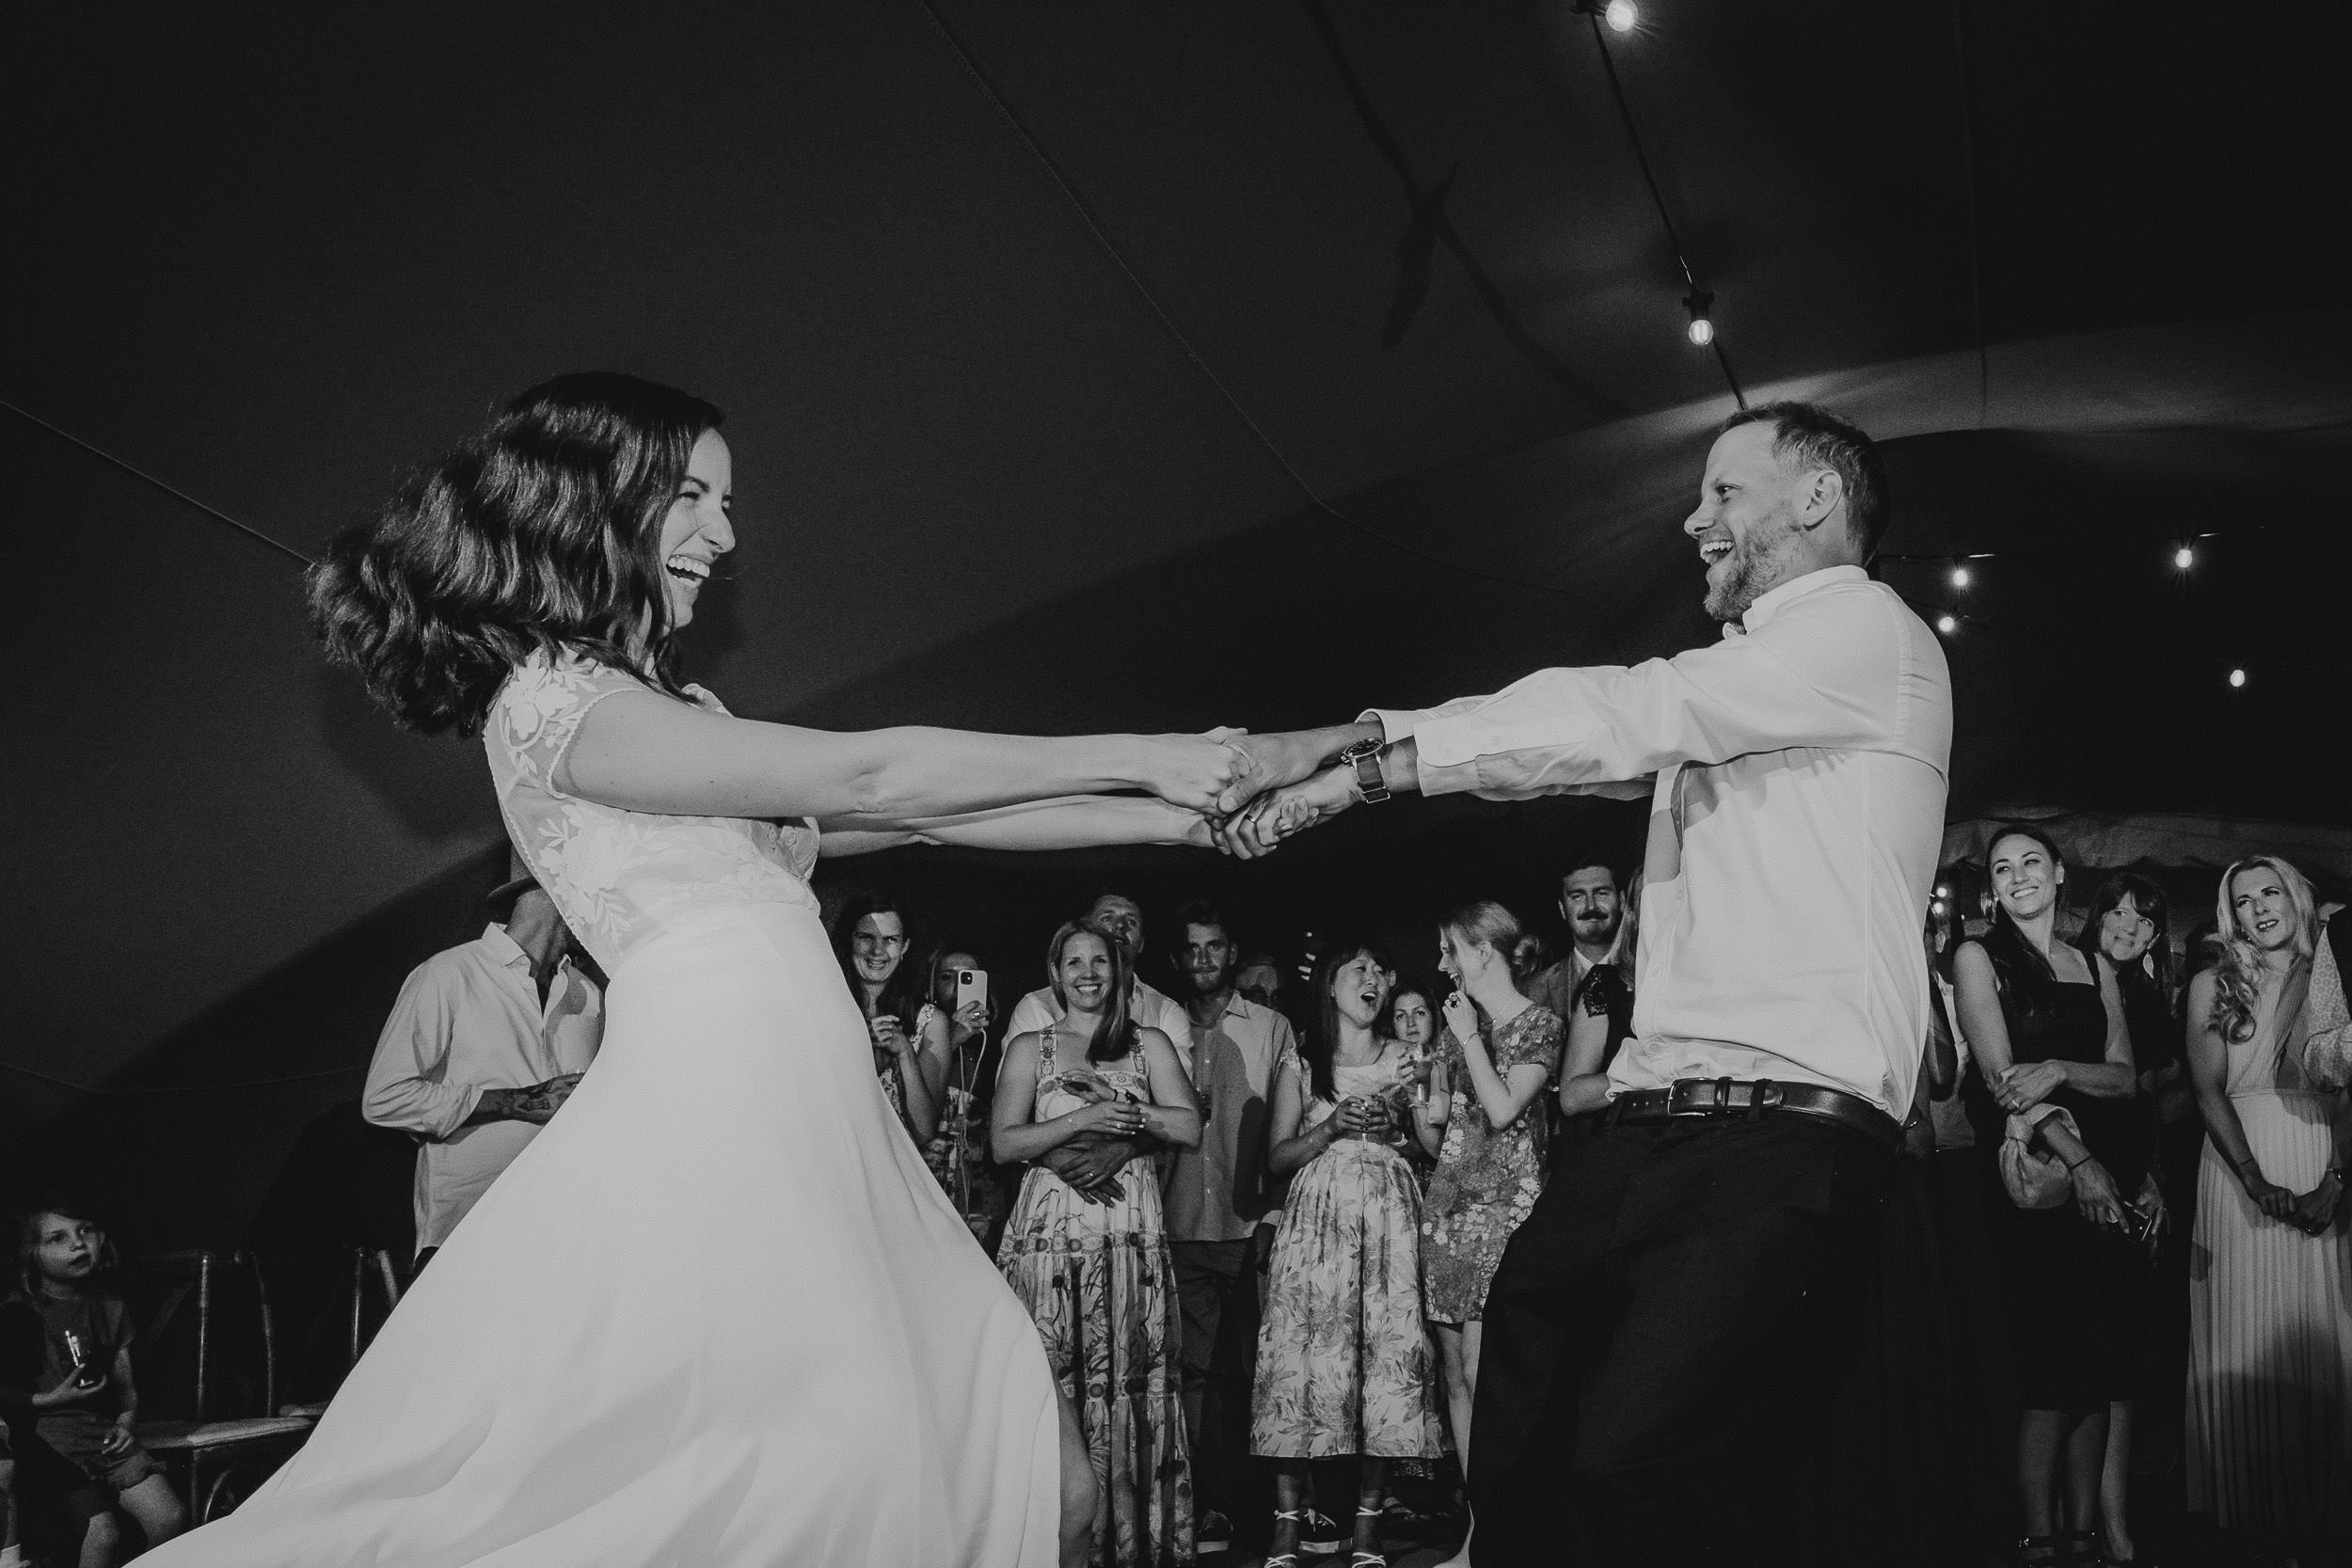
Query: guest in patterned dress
point(1342, 1364)
point(910, 1034)
point(1093, 1268)
point(958, 1152)
point(1482, 1123)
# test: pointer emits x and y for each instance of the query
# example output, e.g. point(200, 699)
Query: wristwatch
point(1364, 756)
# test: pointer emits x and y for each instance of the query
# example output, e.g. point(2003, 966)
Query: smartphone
point(971, 985)
point(84, 1375)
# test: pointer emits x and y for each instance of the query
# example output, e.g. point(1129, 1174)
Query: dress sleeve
point(537, 714)
point(1538, 1039)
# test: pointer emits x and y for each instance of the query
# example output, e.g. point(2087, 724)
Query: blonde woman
point(2270, 1315)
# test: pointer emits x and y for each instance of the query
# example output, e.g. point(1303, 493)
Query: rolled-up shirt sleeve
point(1802, 679)
point(405, 1090)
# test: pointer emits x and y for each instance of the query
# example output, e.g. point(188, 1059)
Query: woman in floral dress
point(1096, 1274)
point(1344, 1365)
point(1498, 1052)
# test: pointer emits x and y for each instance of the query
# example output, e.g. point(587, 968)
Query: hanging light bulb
point(1943, 890)
point(1959, 577)
point(2238, 677)
point(1698, 302)
point(2183, 557)
point(1947, 625)
point(1623, 15)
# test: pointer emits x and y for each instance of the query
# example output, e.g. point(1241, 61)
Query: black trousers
point(1659, 1353)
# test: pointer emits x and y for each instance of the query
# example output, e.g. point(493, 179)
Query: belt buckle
point(1683, 1098)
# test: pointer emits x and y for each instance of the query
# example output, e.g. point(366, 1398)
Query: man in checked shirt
point(1658, 1335)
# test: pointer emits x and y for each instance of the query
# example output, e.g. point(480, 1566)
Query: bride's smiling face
point(696, 531)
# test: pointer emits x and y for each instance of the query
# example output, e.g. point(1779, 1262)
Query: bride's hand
point(1191, 771)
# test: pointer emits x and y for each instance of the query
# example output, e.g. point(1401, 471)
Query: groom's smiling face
point(1746, 524)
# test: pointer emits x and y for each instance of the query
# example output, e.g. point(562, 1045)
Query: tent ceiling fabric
point(275, 257)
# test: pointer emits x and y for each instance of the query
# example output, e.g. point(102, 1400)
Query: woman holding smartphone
point(958, 1152)
point(1096, 1274)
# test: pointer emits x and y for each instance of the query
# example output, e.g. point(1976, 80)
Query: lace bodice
point(622, 877)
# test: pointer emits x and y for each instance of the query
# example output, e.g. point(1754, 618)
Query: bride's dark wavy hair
point(542, 532)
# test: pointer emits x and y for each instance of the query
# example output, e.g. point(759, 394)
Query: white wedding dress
point(718, 1312)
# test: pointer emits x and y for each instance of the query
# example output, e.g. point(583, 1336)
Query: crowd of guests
point(1255, 1222)
point(2138, 1190)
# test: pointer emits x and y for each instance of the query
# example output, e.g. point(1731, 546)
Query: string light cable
point(1199, 363)
point(1621, 16)
point(145, 478)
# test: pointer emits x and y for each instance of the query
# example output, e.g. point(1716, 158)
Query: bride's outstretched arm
point(644, 752)
point(1070, 822)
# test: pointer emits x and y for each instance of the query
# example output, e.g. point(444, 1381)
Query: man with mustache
point(1663, 1331)
point(1592, 904)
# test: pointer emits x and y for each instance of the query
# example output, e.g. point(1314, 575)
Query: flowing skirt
point(718, 1312)
point(1098, 1280)
point(1343, 1358)
point(2270, 1337)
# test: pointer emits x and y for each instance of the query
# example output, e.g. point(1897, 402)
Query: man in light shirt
point(483, 1048)
point(1216, 1199)
point(1660, 1330)
point(1092, 1161)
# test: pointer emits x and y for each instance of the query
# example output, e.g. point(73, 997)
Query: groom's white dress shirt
point(1796, 809)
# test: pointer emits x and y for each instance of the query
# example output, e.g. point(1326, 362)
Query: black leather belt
point(1751, 1097)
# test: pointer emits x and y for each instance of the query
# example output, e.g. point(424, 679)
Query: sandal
point(2079, 1548)
point(1363, 1559)
point(1284, 1559)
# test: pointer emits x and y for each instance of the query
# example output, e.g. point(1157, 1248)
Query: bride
point(719, 1312)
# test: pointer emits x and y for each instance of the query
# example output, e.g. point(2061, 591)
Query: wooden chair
point(218, 1456)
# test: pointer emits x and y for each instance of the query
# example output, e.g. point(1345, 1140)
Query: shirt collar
point(1768, 605)
point(508, 953)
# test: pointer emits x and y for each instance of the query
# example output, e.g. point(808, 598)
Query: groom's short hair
point(1810, 436)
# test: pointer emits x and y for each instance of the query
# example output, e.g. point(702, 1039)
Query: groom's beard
point(1742, 584)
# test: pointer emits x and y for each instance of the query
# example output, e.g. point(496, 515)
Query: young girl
point(1093, 1268)
point(1342, 1364)
point(910, 1034)
point(1499, 1051)
point(86, 1399)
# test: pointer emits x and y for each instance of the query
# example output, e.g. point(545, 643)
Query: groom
point(1660, 1327)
